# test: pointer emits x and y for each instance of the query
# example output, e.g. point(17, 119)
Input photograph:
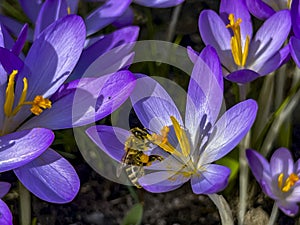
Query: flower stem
point(223, 208)
point(25, 205)
point(174, 19)
point(274, 215)
point(244, 171)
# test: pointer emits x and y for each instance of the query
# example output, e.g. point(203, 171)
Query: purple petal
point(125, 20)
point(229, 130)
point(7, 40)
point(5, 214)
point(281, 162)
point(105, 15)
point(295, 50)
point(213, 179)
point(90, 101)
point(242, 76)
point(53, 55)
point(289, 208)
point(14, 26)
point(31, 8)
point(107, 43)
point(4, 188)
point(259, 9)
point(51, 11)
point(163, 181)
point(50, 177)
point(258, 164)
point(109, 139)
point(214, 32)
point(153, 105)
point(10, 61)
point(205, 91)
point(268, 39)
point(277, 60)
point(158, 3)
point(239, 10)
point(23, 146)
point(294, 196)
point(20, 42)
point(295, 15)
point(261, 170)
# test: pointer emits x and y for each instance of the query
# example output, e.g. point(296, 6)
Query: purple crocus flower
point(158, 3)
point(263, 9)
point(188, 146)
point(278, 179)
point(5, 214)
point(244, 57)
point(295, 40)
point(44, 101)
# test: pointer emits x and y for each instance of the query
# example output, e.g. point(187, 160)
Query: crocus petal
point(107, 43)
point(242, 76)
point(5, 214)
point(15, 26)
point(277, 60)
point(214, 32)
point(50, 177)
point(153, 105)
point(259, 9)
point(205, 91)
point(229, 130)
point(91, 100)
point(51, 11)
point(289, 208)
point(22, 147)
point(213, 179)
point(20, 42)
point(294, 196)
point(126, 19)
point(7, 40)
point(295, 15)
point(281, 162)
point(163, 181)
point(53, 55)
point(109, 139)
point(295, 50)
point(239, 10)
point(258, 164)
point(158, 3)
point(105, 15)
point(31, 8)
point(268, 39)
point(10, 61)
point(4, 188)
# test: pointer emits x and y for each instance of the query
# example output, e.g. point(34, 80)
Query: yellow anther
point(289, 2)
point(289, 183)
point(238, 54)
point(68, 10)
point(38, 104)
point(181, 136)
point(10, 94)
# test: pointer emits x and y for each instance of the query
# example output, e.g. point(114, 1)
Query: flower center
point(289, 182)
point(239, 55)
point(37, 105)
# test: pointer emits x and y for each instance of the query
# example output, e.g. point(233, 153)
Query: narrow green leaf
point(134, 216)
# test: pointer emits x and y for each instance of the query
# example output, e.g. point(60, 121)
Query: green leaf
point(134, 216)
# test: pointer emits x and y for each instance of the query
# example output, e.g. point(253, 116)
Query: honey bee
point(135, 158)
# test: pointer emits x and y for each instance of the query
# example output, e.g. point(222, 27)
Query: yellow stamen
point(38, 104)
point(181, 136)
point(238, 54)
point(69, 10)
point(289, 2)
point(10, 94)
point(289, 183)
